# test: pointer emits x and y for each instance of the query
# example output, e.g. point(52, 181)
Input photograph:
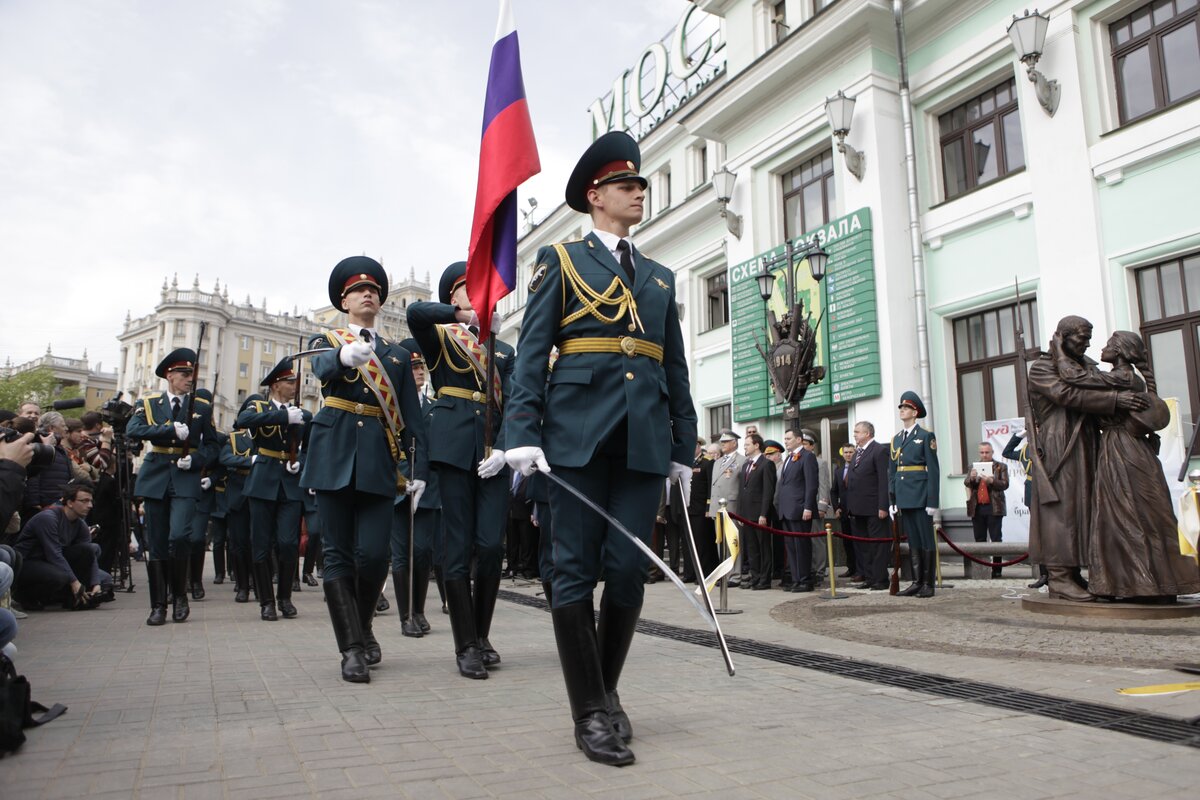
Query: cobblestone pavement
point(227, 706)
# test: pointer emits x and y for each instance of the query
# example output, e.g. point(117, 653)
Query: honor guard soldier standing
point(613, 419)
point(237, 456)
point(169, 478)
point(369, 418)
point(273, 487)
point(913, 479)
point(475, 480)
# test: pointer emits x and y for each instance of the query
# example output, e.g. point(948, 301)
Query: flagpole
point(491, 399)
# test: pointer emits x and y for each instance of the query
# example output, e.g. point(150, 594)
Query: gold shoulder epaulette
point(153, 396)
point(203, 400)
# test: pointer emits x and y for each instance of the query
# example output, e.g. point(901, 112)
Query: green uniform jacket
point(236, 456)
point(268, 424)
point(345, 446)
point(151, 422)
point(456, 424)
point(588, 394)
point(914, 488)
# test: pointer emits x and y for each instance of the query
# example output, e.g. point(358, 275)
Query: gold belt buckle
point(629, 346)
point(477, 397)
point(358, 408)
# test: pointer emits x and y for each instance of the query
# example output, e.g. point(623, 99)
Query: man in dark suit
point(796, 502)
point(703, 530)
point(756, 493)
point(866, 493)
point(837, 501)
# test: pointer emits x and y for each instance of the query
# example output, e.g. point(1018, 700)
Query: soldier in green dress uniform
point(614, 419)
point(279, 428)
point(371, 415)
point(474, 479)
point(913, 486)
point(169, 478)
point(237, 456)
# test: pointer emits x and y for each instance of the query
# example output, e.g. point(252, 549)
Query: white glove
point(312, 492)
point(184, 463)
point(492, 465)
point(683, 474)
point(415, 489)
point(497, 322)
point(181, 431)
point(527, 460)
point(206, 483)
point(893, 509)
point(293, 467)
point(295, 415)
point(253, 458)
point(930, 511)
point(355, 354)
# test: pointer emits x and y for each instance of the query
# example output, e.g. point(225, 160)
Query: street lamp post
point(792, 340)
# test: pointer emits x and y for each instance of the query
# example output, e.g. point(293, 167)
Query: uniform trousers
point(312, 522)
point(198, 532)
point(585, 546)
point(799, 549)
point(872, 559)
point(545, 542)
point(917, 525)
point(237, 520)
point(169, 525)
point(218, 529)
point(474, 517)
point(275, 522)
point(356, 533)
point(422, 539)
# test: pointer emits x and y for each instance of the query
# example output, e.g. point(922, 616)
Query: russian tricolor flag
point(507, 158)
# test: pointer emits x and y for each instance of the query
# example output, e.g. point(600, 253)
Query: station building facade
point(1085, 211)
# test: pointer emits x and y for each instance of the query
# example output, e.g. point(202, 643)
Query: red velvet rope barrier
point(813, 535)
point(993, 564)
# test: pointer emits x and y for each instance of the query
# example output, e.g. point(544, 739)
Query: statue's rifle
point(191, 403)
point(296, 432)
point(1041, 479)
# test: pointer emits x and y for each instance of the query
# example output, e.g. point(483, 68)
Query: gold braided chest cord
point(592, 301)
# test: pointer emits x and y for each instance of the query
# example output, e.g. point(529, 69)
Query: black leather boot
point(341, 599)
point(547, 589)
point(614, 634)
point(181, 570)
point(484, 600)
point(914, 557)
point(218, 564)
point(1042, 576)
point(266, 594)
point(156, 578)
point(928, 573)
point(197, 574)
point(287, 566)
point(462, 624)
point(578, 651)
point(408, 625)
point(368, 592)
point(241, 578)
point(420, 589)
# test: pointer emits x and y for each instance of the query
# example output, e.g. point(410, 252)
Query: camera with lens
point(43, 454)
point(116, 413)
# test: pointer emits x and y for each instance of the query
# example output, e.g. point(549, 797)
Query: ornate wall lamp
point(1028, 34)
point(723, 181)
point(840, 110)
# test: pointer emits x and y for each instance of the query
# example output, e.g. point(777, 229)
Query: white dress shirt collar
point(358, 329)
point(610, 240)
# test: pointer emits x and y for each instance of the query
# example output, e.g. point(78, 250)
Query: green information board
point(848, 336)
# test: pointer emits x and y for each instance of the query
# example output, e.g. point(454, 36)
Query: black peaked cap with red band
point(613, 157)
point(356, 271)
point(180, 358)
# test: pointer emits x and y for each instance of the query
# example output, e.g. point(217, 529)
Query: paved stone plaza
point(227, 706)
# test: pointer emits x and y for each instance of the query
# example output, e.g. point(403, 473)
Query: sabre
point(696, 569)
point(658, 562)
point(313, 352)
point(412, 522)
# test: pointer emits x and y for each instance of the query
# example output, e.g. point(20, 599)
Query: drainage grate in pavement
point(1169, 730)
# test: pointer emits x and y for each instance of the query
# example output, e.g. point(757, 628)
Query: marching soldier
point(237, 456)
point(476, 480)
point(169, 478)
point(369, 418)
point(276, 499)
point(426, 527)
point(615, 417)
point(913, 485)
point(209, 509)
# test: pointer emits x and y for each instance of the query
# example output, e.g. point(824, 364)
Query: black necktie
point(858, 451)
point(175, 406)
point(365, 335)
point(626, 259)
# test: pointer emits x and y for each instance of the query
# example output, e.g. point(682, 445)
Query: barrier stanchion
point(724, 594)
point(937, 558)
point(833, 595)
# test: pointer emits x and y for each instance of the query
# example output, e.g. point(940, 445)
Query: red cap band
point(357, 280)
point(181, 365)
point(614, 170)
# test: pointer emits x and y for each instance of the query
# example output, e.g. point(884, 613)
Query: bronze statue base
point(1040, 604)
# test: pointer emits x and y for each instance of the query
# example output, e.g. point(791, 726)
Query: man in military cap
point(913, 486)
point(279, 428)
point(370, 418)
point(469, 471)
point(169, 478)
point(613, 419)
point(237, 456)
point(426, 527)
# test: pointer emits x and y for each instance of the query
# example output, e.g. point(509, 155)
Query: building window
point(717, 308)
point(662, 189)
point(138, 350)
point(720, 418)
point(809, 196)
point(699, 165)
point(268, 346)
point(245, 342)
point(648, 202)
point(985, 357)
point(243, 370)
point(1169, 303)
point(821, 5)
point(179, 327)
point(1156, 57)
point(779, 26)
point(241, 396)
point(263, 370)
point(981, 140)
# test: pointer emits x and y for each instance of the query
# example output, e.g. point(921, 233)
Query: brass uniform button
point(476, 396)
point(628, 376)
point(366, 390)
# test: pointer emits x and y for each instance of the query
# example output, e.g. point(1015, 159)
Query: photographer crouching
point(60, 560)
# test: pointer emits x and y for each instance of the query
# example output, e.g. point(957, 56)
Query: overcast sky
point(258, 142)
